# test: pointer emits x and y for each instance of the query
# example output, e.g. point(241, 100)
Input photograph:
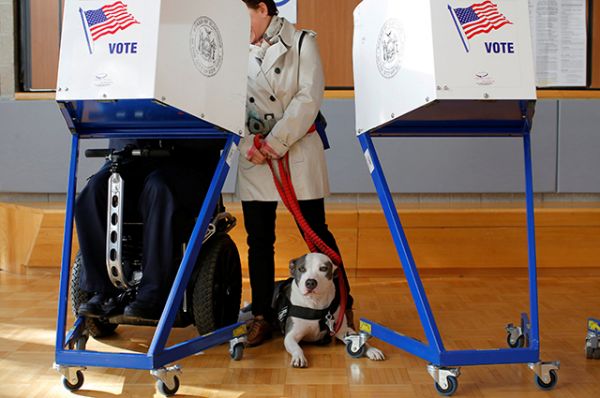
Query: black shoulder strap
point(301, 40)
point(302, 34)
point(320, 121)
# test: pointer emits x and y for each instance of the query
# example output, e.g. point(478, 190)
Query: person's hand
point(257, 157)
point(268, 152)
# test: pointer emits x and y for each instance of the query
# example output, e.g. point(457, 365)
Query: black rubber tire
point(217, 290)
point(520, 343)
point(356, 354)
point(238, 352)
point(76, 386)
point(166, 391)
point(95, 326)
point(452, 387)
point(547, 386)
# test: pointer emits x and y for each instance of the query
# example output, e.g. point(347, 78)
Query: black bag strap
point(320, 120)
point(301, 40)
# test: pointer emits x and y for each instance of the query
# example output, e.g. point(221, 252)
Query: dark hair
point(269, 3)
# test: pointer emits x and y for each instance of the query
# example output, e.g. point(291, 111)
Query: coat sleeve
point(304, 107)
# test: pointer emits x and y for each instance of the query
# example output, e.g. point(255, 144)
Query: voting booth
point(151, 69)
point(453, 69)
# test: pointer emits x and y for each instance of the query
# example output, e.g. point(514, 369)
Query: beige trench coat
point(288, 86)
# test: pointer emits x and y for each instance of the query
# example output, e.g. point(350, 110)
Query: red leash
point(313, 241)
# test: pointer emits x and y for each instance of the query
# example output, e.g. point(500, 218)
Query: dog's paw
point(375, 354)
point(299, 361)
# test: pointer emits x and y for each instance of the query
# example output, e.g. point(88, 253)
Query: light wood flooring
point(472, 308)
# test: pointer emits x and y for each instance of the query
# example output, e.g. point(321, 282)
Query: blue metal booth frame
point(140, 119)
point(527, 350)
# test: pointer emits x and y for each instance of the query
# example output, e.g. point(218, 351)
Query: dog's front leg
point(291, 345)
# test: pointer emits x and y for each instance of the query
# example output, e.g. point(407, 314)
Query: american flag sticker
point(106, 20)
point(480, 18)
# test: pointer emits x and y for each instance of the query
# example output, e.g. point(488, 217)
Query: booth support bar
point(534, 338)
point(63, 298)
point(193, 249)
point(410, 270)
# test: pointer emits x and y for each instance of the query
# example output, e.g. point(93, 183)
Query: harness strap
point(311, 313)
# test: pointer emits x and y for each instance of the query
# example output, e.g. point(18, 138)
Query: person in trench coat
point(285, 92)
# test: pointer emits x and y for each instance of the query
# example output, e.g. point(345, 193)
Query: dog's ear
point(333, 266)
point(292, 267)
point(334, 270)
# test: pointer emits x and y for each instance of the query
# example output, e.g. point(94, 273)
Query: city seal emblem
point(390, 48)
point(206, 46)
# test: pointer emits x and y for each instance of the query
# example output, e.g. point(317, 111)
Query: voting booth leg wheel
point(217, 290)
point(515, 337)
point(592, 348)
point(167, 380)
point(589, 352)
point(96, 327)
point(546, 375)
point(452, 386)
point(592, 340)
point(446, 379)
point(72, 378)
point(236, 349)
point(356, 344)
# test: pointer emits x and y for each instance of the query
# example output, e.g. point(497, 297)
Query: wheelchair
point(213, 295)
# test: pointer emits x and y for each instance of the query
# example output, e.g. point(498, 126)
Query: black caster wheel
point(547, 386)
point(356, 353)
point(450, 390)
point(589, 352)
point(166, 391)
point(238, 352)
point(520, 343)
point(74, 387)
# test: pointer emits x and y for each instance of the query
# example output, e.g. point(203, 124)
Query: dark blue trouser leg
point(170, 199)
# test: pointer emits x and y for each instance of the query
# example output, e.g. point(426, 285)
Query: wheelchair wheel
point(217, 290)
point(96, 327)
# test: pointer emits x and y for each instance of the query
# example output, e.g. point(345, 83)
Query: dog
point(307, 307)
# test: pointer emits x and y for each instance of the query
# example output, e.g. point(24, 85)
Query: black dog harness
point(284, 308)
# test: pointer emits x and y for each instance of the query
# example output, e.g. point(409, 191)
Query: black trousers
point(166, 195)
point(259, 220)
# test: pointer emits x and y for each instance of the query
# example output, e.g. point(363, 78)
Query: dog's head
point(313, 273)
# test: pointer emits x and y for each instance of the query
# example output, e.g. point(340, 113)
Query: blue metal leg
point(191, 254)
point(63, 297)
point(198, 344)
point(534, 336)
point(406, 343)
point(435, 352)
point(157, 356)
point(410, 270)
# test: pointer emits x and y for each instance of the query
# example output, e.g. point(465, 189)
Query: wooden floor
point(472, 308)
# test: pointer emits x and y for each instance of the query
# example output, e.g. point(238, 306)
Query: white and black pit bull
point(307, 306)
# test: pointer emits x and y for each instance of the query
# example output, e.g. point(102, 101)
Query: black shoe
point(139, 310)
point(94, 308)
